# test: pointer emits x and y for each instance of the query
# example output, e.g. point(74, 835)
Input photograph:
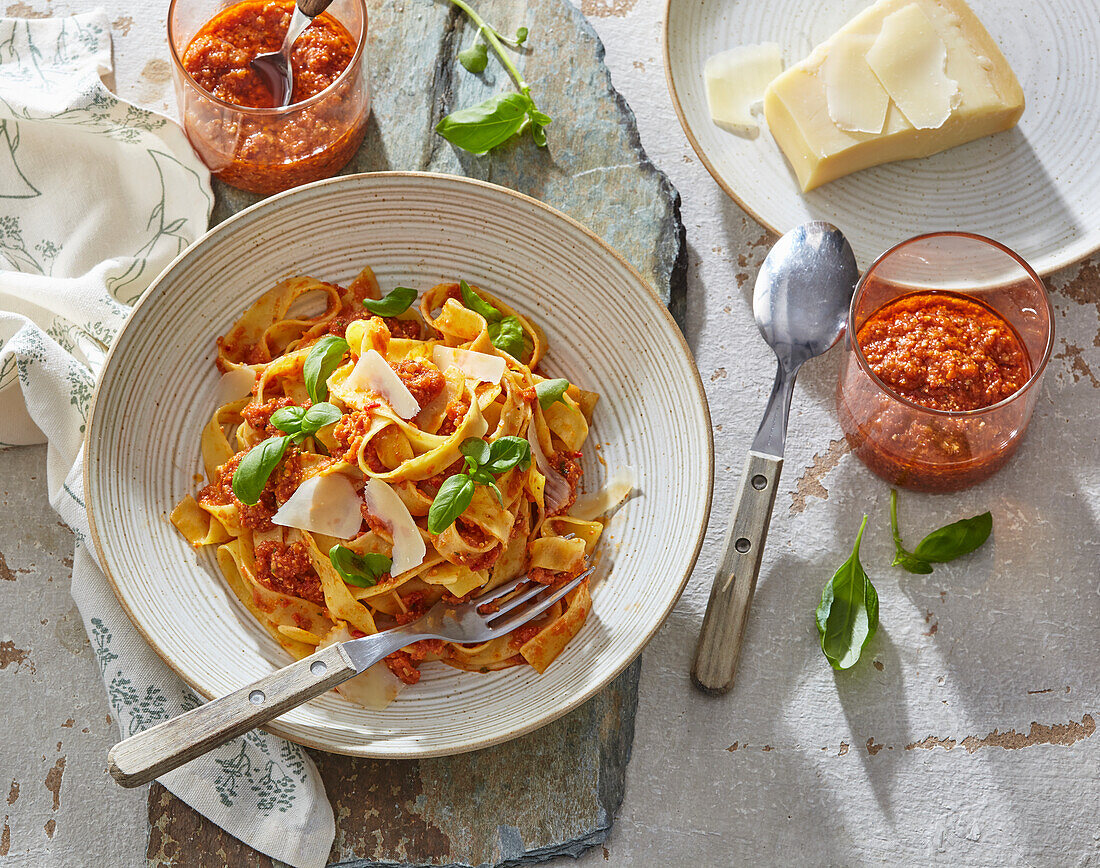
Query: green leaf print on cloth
point(74, 256)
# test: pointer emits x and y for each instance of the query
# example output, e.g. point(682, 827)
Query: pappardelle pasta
point(365, 462)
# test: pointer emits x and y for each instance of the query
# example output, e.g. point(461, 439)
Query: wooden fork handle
point(730, 597)
point(166, 746)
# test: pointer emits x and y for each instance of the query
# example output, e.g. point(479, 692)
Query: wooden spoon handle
point(730, 597)
point(166, 746)
point(313, 8)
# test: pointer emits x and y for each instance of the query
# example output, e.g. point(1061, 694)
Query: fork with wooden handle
point(149, 754)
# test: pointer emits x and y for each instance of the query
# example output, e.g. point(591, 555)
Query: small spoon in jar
point(275, 68)
point(800, 303)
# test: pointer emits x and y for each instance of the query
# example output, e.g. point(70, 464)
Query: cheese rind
point(735, 80)
point(989, 99)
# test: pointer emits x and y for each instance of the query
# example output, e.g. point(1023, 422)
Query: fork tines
point(528, 613)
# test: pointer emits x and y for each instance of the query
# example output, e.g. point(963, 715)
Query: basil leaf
point(943, 544)
point(323, 359)
point(475, 58)
point(450, 502)
point(507, 335)
point(482, 127)
point(955, 539)
point(361, 570)
point(288, 419)
point(476, 449)
point(397, 300)
point(847, 616)
point(477, 304)
point(549, 391)
point(320, 415)
point(255, 468)
point(508, 452)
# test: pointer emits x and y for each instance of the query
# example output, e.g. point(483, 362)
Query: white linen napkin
point(96, 197)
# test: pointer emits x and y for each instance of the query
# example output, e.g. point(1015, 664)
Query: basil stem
point(847, 616)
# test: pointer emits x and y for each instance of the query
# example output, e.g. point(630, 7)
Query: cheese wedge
point(903, 79)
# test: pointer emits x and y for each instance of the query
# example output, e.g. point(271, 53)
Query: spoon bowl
point(804, 290)
point(275, 67)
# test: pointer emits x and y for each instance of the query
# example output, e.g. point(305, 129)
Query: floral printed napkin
point(96, 197)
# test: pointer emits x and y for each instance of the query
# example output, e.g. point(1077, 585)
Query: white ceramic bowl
point(608, 332)
point(1032, 188)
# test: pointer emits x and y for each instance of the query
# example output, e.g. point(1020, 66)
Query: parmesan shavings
point(373, 373)
point(408, 545)
point(234, 384)
point(556, 491)
point(614, 492)
point(375, 687)
point(476, 366)
point(323, 504)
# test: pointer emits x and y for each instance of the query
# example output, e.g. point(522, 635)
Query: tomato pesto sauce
point(229, 113)
point(219, 56)
point(944, 351)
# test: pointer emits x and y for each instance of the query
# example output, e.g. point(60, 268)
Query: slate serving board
point(553, 792)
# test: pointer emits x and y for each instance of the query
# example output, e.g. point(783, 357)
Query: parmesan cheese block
point(735, 80)
point(927, 68)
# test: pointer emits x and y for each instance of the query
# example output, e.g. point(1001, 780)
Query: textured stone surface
point(956, 742)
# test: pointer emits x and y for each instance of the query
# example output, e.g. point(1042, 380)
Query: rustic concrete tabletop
point(964, 738)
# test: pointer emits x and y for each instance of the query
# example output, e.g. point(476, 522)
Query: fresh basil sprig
point(323, 359)
point(297, 424)
point(505, 332)
point(396, 301)
point(361, 570)
point(481, 128)
point(300, 423)
point(847, 616)
point(943, 544)
point(484, 461)
point(549, 391)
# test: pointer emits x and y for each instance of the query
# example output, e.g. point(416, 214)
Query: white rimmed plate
point(1032, 188)
point(607, 331)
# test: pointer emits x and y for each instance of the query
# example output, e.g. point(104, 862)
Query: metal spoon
point(801, 305)
point(275, 68)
